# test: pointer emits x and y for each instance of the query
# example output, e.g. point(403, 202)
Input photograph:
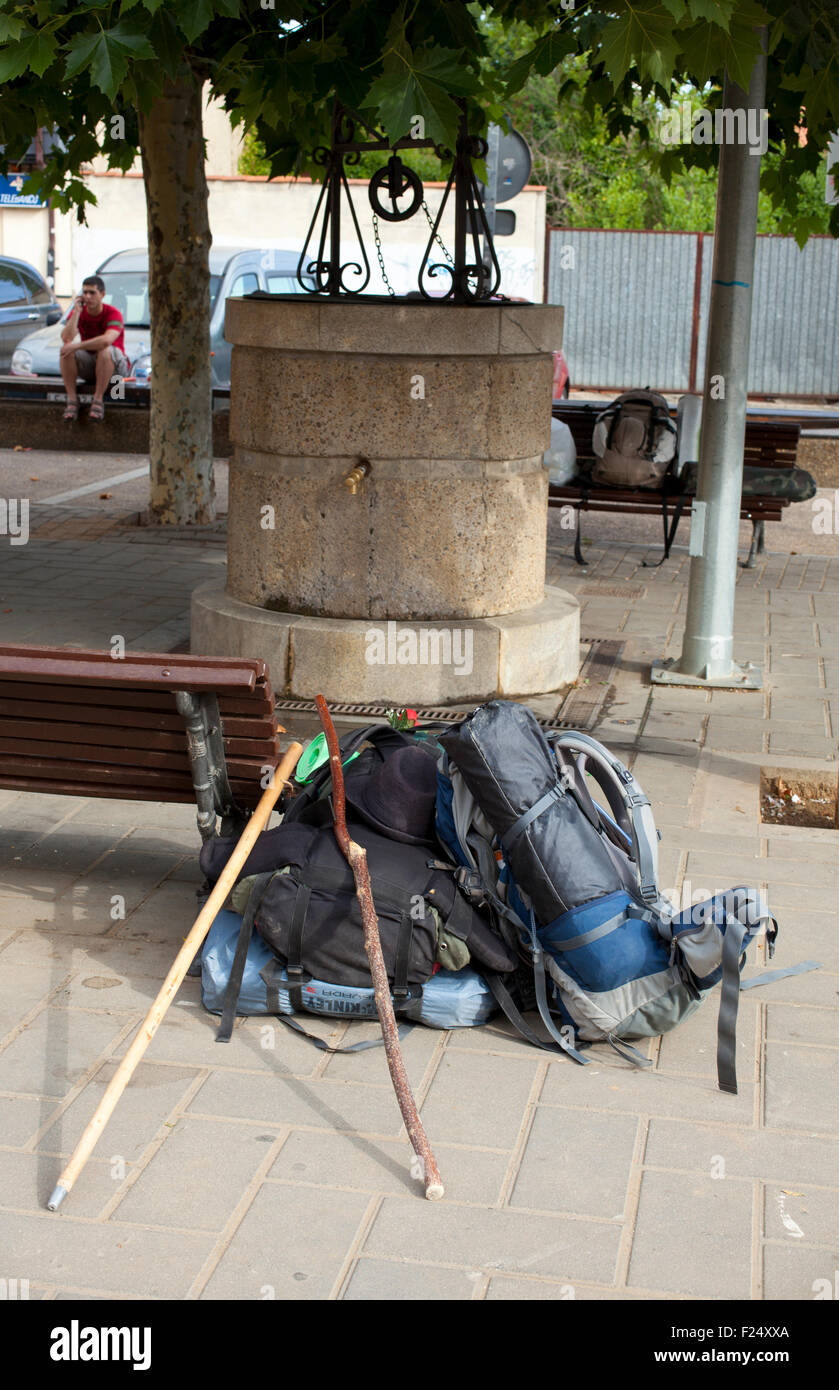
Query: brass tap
point(356, 476)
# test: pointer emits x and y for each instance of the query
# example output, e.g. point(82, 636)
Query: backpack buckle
point(471, 885)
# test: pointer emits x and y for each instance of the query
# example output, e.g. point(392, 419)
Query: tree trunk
point(181, 427)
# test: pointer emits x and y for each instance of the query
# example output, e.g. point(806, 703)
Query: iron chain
point(437, 237)
point(391, 291)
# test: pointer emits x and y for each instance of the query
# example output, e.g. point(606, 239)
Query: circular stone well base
point(372, 661)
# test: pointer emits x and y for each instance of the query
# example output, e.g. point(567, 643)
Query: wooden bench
point(146, 727)
point(770, 443)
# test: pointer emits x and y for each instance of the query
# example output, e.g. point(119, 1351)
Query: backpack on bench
point(634, 442)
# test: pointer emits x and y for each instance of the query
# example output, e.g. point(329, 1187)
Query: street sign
point(13, 192)
point(513, 165)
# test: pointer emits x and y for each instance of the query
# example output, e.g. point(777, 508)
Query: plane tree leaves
point(70, 65)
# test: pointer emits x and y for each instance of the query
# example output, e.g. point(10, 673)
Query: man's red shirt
point(90, 325)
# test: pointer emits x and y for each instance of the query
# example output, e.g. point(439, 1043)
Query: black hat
point(399, 797)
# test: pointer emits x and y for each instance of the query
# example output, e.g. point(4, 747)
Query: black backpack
point(303, 901)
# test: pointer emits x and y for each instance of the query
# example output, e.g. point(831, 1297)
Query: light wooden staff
point(356, 857)
point(174, 979)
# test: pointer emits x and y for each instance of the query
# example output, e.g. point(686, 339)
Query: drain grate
point(612, 590)
point(579, 710)
point(581, 707)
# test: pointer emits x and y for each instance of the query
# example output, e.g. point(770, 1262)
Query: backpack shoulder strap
point(237, 970)
point(627, 801)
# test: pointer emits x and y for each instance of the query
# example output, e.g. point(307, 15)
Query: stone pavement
point(269, 1169)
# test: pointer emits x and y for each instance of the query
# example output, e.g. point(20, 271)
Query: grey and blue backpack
point(574, 883)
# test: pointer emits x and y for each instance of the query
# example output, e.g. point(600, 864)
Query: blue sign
point(13, 192)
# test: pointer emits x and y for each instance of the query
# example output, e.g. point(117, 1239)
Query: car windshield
point(128, 291)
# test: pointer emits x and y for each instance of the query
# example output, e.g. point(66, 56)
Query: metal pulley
point(399, 179)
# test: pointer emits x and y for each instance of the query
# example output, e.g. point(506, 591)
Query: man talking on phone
point(92, 347)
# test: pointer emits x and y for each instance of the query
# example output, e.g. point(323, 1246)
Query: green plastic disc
point(314, 757)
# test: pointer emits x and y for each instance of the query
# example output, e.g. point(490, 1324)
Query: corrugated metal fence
point(636, 310)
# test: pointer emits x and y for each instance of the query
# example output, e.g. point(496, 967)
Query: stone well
point(422, 579)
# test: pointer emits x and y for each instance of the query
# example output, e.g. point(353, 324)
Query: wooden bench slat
point(252, 756)
point(198, 678)
point(49, 712)
point(17, 734)
point(49, 768)
point(150, 703)
point(245, 666)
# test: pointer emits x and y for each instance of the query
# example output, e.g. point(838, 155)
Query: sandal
point(72, 411)
point(97, 411)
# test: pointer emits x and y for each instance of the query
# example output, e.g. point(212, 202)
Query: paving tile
point(663, 780)
point(504, 1288)
point(276, 1098)
point(61, 856)
point(123, 815)
point(106, 1257)
point(109, 955)
point(800, 1087)
point(185, 1184)
point(746, 846)
point(456, 1110)
point(797, 1024)
point(818, 988)
point(715, 1261)
point(814, 898)
point(729, 869)
point(418, 1046)
point(557, 1172)
point(55, 1050)
point(21, 1117)
point(42, 906)
point(621, 1088)
point(807, 846)
point(187, 1037)
point(741, 735)
point(803, 936)
point(497, 1036)
point(691, 1049)
point(24, 986)
point(389, 1281)
point(801, 1213)
point(290, 1245)
point(803, 744)
point(723, 1151)
point(168, 916)
point(107, 993)
point(28, 1179)
point(480, 1239)
point(799, 1272)
point(381, 1165)
point(145, 1105)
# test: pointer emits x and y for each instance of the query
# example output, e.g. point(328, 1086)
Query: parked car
point(233, 271)
point(26, 302)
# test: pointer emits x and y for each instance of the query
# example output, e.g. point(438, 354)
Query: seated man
point(100, 355)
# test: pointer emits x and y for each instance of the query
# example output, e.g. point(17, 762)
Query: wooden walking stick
point(356, 857)
point(174, 979)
